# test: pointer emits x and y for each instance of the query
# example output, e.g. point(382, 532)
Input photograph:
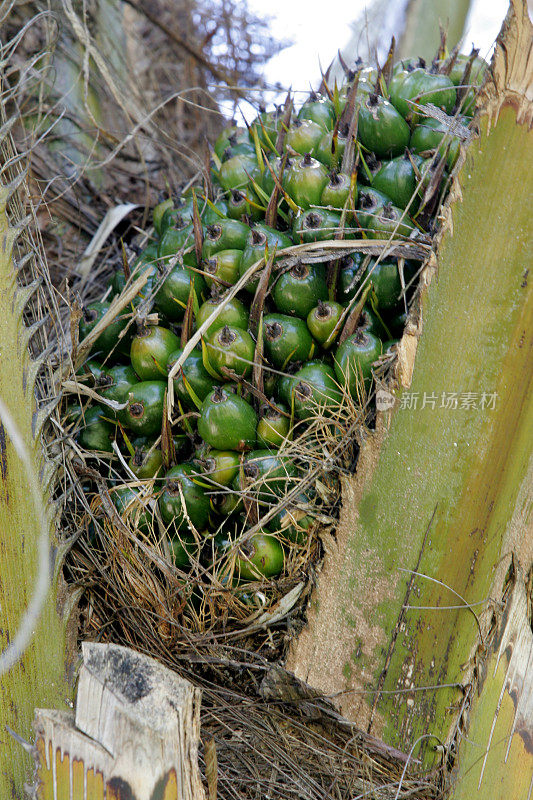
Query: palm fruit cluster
point(365, 162)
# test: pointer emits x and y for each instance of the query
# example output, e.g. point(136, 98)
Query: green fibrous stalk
point(38, 677)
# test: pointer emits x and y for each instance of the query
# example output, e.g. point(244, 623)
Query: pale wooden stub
point(134, 735)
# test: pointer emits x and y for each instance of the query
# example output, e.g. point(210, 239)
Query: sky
point(318, 29)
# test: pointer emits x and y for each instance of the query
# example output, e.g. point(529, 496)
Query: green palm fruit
point(371, 203)
point(304, 181)
point(159, 210)
point(226, 234)
point(222, 268)
point(133, 509)
point(259, 556)
point(230, 136)
point(386, 284)
point(261, 239)
point(144, 413)
point(146, 460)
point(110, 337)
point(233, 313)
point(183, 502)
point(303, 136)
point(337, 190)
point(319, 110)
point(243, 206)
point(286, 340)
point(267, 475)
point(227, 422)
point(390, 221)
point(381, 128)
point(236, 172)
point(232, 349)
point(330, 148)
point(273, 426)
point(316, 225)
point(313, 389)
point(175, 240)
point(397, 179)
point(431, 134)
point(97, 432)
point(221, 466)
point(192, 381)
point(267, 126)
point(114, 383)
point(322, 320)
point(351, 271)
point(183, 549)
point(173, 295)
point(420, 87)
point(354, 359)
point(299, 290)
point(150, 350)
point(293, 523)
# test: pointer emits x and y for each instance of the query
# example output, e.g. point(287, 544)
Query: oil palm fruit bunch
point(262, 324)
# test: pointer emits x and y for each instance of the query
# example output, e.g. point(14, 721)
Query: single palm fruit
point(431, 134)
point(146, 460)
point(369, 323)
point(371, 203)
point(221, 466)
point(420, 87)
point(159, 210)
point(396, 323)
point(226, 234)
point(175, 240)
point(227, 422)
point(292, 523)
point(303, 136)
point(243, 206)
point(314, 389)
point(118, 281)
point(182, 548)
point(226, 503)
point(316, 225)
point(304, 181)
point(98, 432)
point(351, 270)
point(133, 509)
point(114, 383)
point(261, 239)
point(223, 268)
point(381, 128)
point(390, 221)
point(267, 474)
point(172, 296)
point(286, 339)
point(337, 190)
point(386, 284)
point(330, 148)
point(260, 556)
point(193, 509)
point(229, 137)
point(319, 109)
point(144, 413)
point(397, 179)
point(236, 172)
point(273, 426)
point(192, 379)
point(150, 350)
point(110, 337)
point(299, 290)
point(322, 320)
point(354, 358)
point(233, 313)
point(232, 349)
